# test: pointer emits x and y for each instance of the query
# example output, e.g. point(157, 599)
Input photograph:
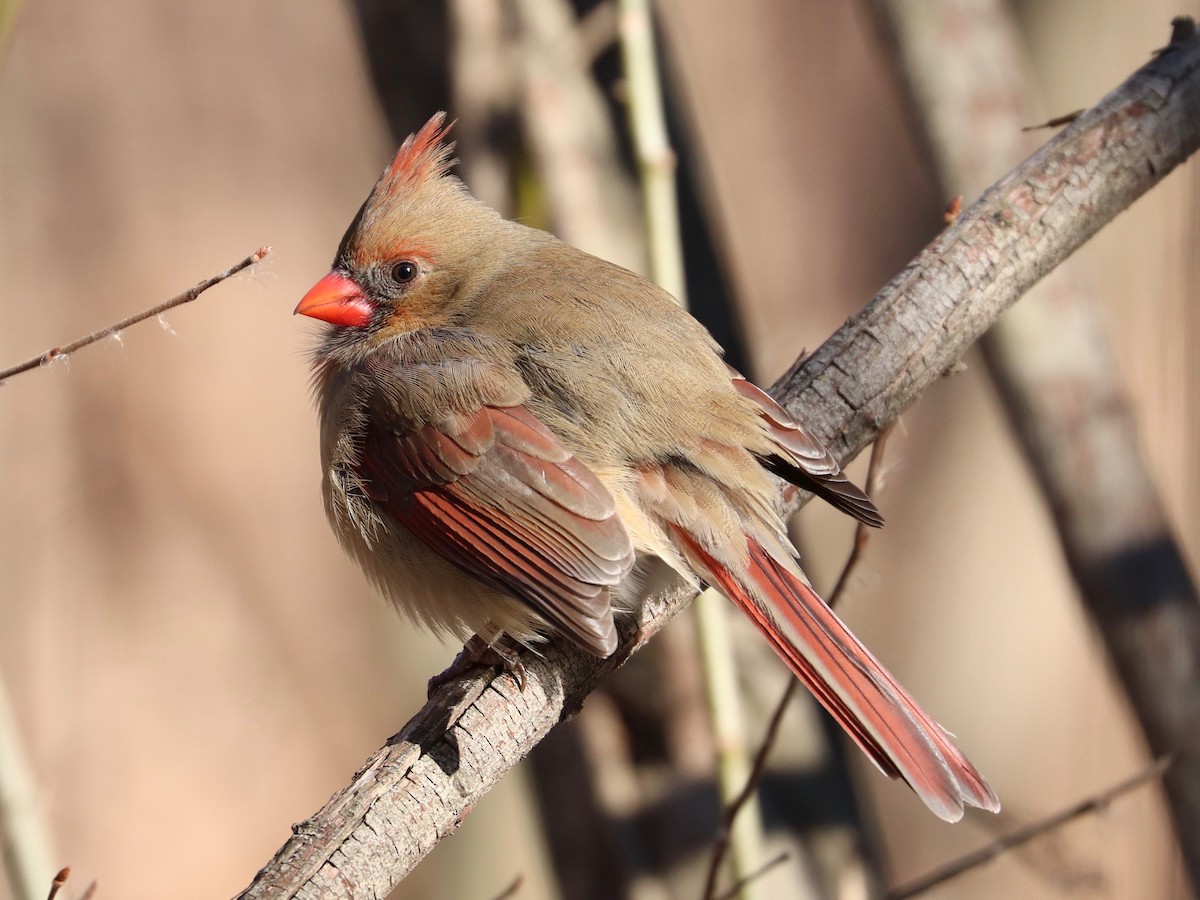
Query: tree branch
point(1057, 377)
point(414, 790)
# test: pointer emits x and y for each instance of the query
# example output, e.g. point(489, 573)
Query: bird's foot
point(478, 652)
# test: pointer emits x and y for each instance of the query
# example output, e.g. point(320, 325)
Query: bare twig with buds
point(115, 329)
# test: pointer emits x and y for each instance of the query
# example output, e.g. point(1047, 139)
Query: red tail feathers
point(850, 683)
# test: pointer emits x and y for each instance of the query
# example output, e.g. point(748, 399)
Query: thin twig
point(512, 889)
point(117, 327)
point(25, 843)
point(762, 870)
point(1024, 835)
point(59, 880)
point(1057, 121)
point(721, 844)
point(862, 534)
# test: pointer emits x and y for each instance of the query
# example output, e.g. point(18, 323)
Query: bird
point(508, 425)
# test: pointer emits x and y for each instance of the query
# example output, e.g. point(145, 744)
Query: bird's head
point(408, 257)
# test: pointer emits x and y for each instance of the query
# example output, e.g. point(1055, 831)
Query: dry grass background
point(194, 665)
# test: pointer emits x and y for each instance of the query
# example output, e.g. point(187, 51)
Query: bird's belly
point(423, 585)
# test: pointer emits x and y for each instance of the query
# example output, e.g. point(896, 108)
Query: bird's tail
point(848, 681)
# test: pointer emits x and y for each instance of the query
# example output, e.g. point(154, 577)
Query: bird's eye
point(404, 272)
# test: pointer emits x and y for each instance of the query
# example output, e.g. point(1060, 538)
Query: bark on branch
point(415, 789)
point(1057, 377)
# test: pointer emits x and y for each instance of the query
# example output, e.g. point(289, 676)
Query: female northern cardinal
point(507, 423)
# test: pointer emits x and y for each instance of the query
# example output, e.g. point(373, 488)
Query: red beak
point(336, 298)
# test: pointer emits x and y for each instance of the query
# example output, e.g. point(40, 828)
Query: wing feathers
point(803, 460)
point(496, 494)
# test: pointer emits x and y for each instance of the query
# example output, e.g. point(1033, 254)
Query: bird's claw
point(477, 652)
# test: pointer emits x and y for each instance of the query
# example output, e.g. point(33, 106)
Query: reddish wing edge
point(804, 460)
point(850, 683)
point(501, 498)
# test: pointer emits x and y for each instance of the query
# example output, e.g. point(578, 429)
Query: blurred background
point(192, 664)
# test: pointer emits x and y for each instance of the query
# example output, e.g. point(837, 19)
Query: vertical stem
point(24, 839)
point(8, 17)
point(656, 160)
point(729, 736)
point(656, 167)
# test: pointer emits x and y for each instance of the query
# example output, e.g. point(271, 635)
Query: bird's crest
point(422, 156)
point(396, 217)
